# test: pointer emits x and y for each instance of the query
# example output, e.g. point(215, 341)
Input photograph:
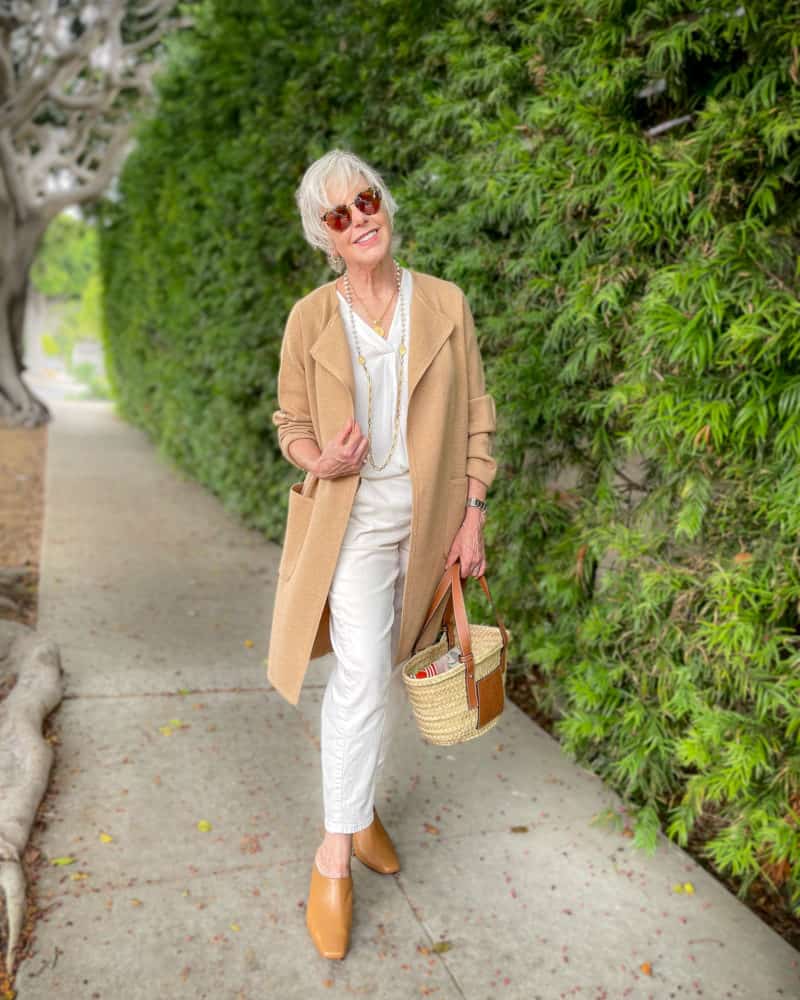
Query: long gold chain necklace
point(363, 362)
point(376, 323)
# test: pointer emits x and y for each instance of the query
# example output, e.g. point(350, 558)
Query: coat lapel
point(430, 328)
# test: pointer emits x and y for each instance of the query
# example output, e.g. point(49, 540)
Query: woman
point(383, 405)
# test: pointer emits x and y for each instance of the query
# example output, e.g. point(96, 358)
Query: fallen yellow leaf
point(175, 723)
point(235, 927)
point(63, 861)
point(203, 825)
point(106, 838)
point(165, 730)
point(688, 887)
point(79, 875)
point(441, 946)
point(248, 643)
point(677, 887)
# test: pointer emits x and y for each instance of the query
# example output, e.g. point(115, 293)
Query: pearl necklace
point(363, 362)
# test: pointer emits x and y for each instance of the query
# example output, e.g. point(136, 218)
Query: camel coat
point(449, 435)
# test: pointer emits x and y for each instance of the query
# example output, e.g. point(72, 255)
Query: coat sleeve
point(293, 418)
point(482, 422)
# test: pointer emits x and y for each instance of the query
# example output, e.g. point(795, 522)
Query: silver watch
point(475, 502)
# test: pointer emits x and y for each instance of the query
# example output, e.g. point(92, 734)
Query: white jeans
point(365, 690)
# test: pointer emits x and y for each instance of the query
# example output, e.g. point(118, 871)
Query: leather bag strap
point(450, 586)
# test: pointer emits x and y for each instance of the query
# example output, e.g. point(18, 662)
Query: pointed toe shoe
point(329, 913)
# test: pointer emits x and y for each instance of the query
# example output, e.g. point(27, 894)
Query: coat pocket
point(298, 517)
point(456, 500)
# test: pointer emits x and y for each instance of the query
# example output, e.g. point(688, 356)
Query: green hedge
point(612, 184)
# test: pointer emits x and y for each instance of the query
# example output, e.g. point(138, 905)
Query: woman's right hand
point(344, 454)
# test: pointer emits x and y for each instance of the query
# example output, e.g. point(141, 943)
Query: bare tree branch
point(73, 73)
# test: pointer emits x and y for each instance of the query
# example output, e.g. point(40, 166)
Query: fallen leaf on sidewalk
point(203, 825)
point(250, 844)
point(63, 861)
point(441, 946)
point(430, 828)
point(106, 838)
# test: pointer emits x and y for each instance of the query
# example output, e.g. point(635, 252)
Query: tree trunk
point(19, 407)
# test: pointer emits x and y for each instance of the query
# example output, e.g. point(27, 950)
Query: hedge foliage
point(613, 186)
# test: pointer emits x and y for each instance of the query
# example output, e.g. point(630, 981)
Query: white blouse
point(383, 364)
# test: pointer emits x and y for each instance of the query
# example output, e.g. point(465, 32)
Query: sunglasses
point(339, 218)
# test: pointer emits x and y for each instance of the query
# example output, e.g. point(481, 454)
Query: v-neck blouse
point(383, 362)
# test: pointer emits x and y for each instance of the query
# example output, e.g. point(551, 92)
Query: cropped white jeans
point(365, 691)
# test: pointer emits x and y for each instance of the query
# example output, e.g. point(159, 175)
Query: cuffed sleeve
point(482, 421)
point(293, 418)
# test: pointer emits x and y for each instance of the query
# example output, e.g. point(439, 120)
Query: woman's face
point(368, 237)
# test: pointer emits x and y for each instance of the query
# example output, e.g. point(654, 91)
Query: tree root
point(32, 413)
point(25, 758)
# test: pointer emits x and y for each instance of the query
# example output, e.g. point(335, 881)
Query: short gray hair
point(312, 199)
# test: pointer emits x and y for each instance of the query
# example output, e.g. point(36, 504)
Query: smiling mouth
point(367, 237)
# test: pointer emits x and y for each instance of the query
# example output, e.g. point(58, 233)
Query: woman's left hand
point(467, 546)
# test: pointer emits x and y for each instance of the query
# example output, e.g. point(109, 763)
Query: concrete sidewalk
point(154, 593)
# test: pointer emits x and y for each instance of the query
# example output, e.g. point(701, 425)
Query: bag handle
point(450, 585)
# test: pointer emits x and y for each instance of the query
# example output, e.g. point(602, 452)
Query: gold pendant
point(379, 330)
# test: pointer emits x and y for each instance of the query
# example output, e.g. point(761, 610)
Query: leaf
point(106, 838)
point(441, 946)
point(63, 861)
point(248, 643)
point(203, 825)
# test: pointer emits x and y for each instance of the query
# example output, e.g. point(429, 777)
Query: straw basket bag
point(467, 700)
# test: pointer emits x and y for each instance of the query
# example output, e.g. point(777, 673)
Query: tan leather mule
point(374, 848)
point(329, 913)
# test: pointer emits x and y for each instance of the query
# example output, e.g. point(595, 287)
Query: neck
point(374, 281)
